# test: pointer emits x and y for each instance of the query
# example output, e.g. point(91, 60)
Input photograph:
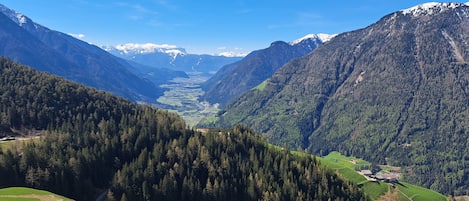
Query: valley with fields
point(192, 101)
point(183, 97)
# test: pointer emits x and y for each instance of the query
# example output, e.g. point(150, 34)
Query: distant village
point(391, 175)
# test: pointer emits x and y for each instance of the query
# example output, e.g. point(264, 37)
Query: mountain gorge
point(47, 50)
point(234, 79)
point(395, 92)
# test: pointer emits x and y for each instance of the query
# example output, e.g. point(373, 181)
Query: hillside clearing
point(22, 193)
point(377, 190)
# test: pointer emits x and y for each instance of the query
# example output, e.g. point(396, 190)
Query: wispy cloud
point(141, 9)
point(137, 11)
point(165, 4)
point(309, 18)
point(244, 11)
point(302, 19)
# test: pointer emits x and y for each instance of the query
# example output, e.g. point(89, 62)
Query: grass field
point(262, 85)
point(22, 193)
point(16, 144)
point(6, 145)
point(413, 192)
point(182, 97)
point(375, 189)
point(345, 167)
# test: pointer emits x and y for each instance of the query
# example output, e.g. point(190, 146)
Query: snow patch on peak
point(21, 19)
point(17, 17)
point(232, 54)
point(322, 37)
point(147, 48)
point(431, 8)
point(326, 37)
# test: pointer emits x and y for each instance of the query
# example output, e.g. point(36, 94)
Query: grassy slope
point(345, 168)
point(15, 143)
point(262, 85)
point(5, 145)
point(22, 193)
point(417, 193)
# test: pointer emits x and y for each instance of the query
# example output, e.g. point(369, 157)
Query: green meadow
point(345, 167)
point(23, 193)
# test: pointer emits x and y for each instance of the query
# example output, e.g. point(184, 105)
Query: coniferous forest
point(92, 142)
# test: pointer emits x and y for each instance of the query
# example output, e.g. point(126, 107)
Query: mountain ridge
point(234, 79)
point(393, 92)
point(71, 58)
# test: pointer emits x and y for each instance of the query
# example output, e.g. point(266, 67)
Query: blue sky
point(204, 26)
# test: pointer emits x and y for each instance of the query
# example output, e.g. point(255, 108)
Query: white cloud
point(221, 48)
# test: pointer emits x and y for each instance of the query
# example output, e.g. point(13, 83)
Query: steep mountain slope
point(158, 76)
point(91, 141)
point(395, 92)
point(61, 54)
point(234, 79)
point(174, 58)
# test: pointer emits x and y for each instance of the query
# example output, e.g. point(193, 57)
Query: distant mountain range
point(234, 79)
point(47, 50)
point(171, 57)
point(395, 92)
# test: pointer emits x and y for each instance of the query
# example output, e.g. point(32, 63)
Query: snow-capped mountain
point(321, 37)
point(16, 17)
point(431, 8)
point(232, 54)
point(131, 49)
point(172, 57)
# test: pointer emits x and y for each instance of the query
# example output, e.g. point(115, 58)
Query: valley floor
point(182, 97)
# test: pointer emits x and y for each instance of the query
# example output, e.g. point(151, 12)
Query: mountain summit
point(395, 92)
point(132, 49)
point(234, 79)
point(321, 37)
point(431, 8)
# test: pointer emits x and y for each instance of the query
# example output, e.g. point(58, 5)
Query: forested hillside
point(395, 92)
point(92, 142)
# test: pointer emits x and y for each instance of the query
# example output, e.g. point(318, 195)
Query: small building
point(366, 172)
point(389, 178)
point(9, 138)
